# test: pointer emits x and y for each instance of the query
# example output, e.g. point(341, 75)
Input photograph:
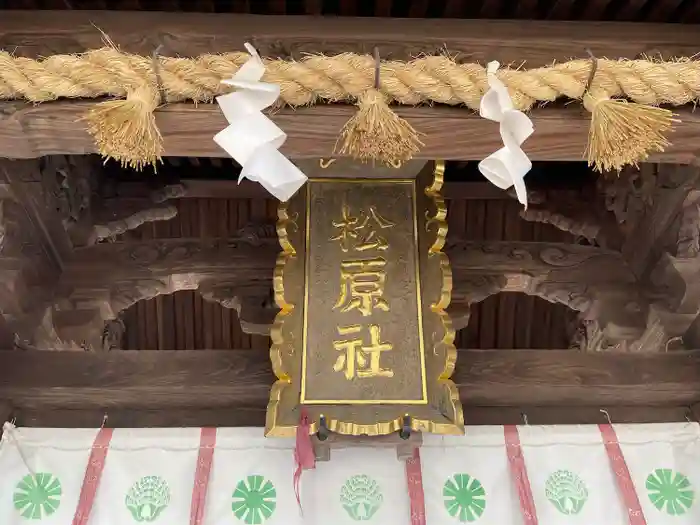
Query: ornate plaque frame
point(438, 410)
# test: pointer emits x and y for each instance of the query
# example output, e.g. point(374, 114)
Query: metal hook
point(104, 420)
point(594, 68)
point(323, 431)
point(405, 431)
point(607, 416)
point(689, 416)
point(377, 66)
point(156, 72)
point(524, 416)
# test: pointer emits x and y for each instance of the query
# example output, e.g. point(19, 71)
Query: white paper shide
point(508, 166)
point(251, 138)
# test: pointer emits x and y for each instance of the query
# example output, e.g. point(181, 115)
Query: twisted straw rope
point(344, 77)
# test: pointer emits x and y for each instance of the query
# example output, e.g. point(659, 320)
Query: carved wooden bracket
point(102, 280)
point(590, 280)
point(255, 305)
point(583, 216)
point(661, 218)
point(105, 279)
point(111, 217)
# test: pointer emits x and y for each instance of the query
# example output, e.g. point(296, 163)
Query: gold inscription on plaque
point(356, 358)
point(362, 295)
point(356, 232)
point(362, 286)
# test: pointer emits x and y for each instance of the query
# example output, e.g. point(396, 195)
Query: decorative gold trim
point(281, 420)
point(284, 380)
point(440, 308)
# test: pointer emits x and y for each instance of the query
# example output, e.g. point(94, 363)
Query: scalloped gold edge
point(284, 380)
point(384, 427)
point(440, 308)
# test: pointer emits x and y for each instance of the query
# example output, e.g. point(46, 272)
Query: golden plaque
point(362, 338)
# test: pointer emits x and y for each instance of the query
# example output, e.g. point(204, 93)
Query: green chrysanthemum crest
point(254, 500)
point(670, 491)
point(361, 497)
point(37, 496)
point(566, 491)
point(148, 498)
point(465, 497)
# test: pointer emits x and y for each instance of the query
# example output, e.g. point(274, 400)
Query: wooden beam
point(238, 416)
point(110, 263)
point(211, 379)
point(42, 33)
point(28, 131)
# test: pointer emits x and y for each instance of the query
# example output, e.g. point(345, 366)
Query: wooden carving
point(102, 280)
point(66, 184)
point(586, 279)
point(581, 214)
point(113, 334)
point(662, 224)
point(628, 194)
point(254, 305)
point(111, 217)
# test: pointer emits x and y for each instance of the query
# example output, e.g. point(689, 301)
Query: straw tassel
point(126, 130)
point(624, 132)
point(376, 132)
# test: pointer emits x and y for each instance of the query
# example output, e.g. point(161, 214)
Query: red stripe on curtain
point(519, 473)
point(207, 442)
point(622, 475)
point(414, 480)
point(93, 474)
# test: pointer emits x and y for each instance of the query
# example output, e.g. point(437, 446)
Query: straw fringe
point(127, 130)
point(624, 133)
point(377, 133)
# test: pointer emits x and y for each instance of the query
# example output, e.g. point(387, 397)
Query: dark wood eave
point(673, 11)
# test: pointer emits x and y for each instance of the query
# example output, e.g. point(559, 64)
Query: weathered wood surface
point(223, 189)
point(244, 258)
point(237, 416)
point(103, 280)
point(115, 262)
point(32, 33)
point(211, 379)
point(137, 193)
point(28, 131)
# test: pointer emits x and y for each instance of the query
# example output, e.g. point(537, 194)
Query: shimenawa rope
point(623, 131)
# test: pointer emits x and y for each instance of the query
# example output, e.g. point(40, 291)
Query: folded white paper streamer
point(509, 165)
point(251, 138)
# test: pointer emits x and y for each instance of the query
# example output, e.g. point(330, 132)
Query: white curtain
point(149, 477)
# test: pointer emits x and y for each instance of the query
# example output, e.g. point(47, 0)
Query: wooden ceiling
point(674, 11)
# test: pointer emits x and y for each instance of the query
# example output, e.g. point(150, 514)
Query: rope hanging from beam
point(622, 96)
